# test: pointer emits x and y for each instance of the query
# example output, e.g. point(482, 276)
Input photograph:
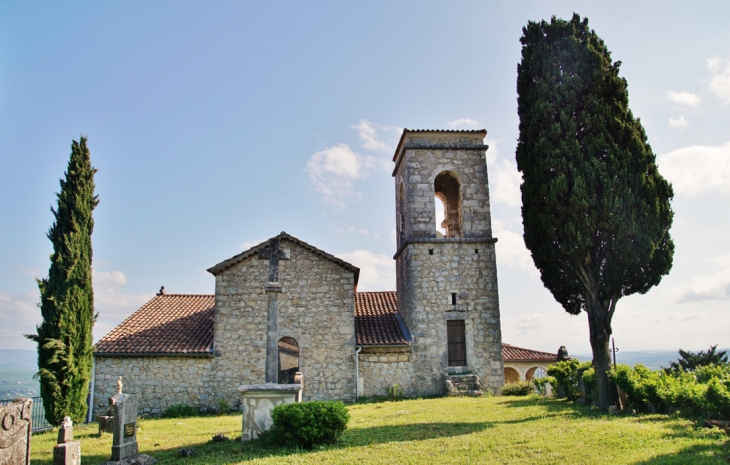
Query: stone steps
point(463, 385)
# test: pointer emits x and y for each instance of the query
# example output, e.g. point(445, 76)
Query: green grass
point(436, 431)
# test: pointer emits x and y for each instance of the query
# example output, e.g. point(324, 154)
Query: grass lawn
point(445, 430)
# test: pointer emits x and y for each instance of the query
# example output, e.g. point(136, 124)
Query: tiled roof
point(167, 324)
point(377, 321)
point(511, 353)
point(225, 264)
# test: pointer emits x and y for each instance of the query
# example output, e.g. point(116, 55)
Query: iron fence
point(38, 416)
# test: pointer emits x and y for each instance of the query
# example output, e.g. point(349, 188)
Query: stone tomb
point(257, 402)
point(15, 432)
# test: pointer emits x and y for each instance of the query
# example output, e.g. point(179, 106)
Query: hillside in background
point(17, 368)
point(654, 359)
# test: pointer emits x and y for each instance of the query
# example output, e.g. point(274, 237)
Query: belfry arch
point(447, 188)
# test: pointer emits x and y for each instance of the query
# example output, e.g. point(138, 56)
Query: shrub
point(641, 385)
point(309, 423)
point(224, 407)
point(566, 375)
point(540, 384)
point(394, 392)
point(520, 388)
point(181, 411)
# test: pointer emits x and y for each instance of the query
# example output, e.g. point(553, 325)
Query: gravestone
point(67, 451)
point(15, 431)
point(124, 442)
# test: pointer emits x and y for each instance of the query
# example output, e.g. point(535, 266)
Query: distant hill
point(18, 360)
point(654, 359)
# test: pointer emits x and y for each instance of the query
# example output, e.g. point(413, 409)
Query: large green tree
point(67, 299)
point(595, 210)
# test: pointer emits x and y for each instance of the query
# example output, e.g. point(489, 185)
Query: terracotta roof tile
point(511, 353)
point(167, 324)
point(377, 321)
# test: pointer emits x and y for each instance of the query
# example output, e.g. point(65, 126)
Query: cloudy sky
point(216, 127)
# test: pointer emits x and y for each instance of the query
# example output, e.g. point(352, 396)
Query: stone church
point(285, 305)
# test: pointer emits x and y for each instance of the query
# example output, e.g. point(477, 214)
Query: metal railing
point(37, 415)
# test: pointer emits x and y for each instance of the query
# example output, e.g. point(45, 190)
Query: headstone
point(299, 379)
point(67, 451)
point(15, 432)
point(124, 441)
point(124, 419)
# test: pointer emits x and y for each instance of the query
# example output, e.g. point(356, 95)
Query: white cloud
point(720, 80)
point(335, 170)
point(505, 184)
point(697, 169)
point(684, 98)
point(715, 286)
point(377, 271)
point(19, 315)
point(511, 250)
point(371, 135)
point(111, 302)
point(463, 123)
point(678, 123)
point(362, 232)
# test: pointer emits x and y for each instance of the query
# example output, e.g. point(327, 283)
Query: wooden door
point(456, 336)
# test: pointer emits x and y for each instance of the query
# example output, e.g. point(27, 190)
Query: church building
point(286, 306)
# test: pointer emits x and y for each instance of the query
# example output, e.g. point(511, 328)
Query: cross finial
point(273, 253)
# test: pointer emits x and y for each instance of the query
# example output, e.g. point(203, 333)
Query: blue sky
point(216, 126)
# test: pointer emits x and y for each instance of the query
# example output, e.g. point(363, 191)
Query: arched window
point(511, 375)
point(288, 360)
point(448, 189)
point(535, 372)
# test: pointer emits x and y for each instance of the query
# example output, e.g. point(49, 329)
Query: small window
point(288, 360)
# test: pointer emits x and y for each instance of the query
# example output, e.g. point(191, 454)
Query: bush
point(181, 411)
point(520, 388)
point(644, 387)
point(309, 423)
point(566, 375)
point(540, 384)
point(394, 392)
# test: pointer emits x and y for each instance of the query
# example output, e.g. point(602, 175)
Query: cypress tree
point(67, 299)
point(595, 210)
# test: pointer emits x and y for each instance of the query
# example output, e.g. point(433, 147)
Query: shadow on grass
point(235, 451)
point(697, 454)
point(569, 409)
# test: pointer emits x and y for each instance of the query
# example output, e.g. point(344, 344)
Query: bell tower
point(446, 273)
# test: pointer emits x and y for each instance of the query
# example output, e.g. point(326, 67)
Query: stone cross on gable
point(273, 253)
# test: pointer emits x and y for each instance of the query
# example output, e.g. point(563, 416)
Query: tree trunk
point(599, 324)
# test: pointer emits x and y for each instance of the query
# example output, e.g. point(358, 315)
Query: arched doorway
point(288, 360)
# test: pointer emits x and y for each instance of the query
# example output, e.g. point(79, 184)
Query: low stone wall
point(381, 368)
point(157, 382)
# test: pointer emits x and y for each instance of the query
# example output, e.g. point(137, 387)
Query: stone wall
point(315, 308)
point(157, 382)
point(381, 368)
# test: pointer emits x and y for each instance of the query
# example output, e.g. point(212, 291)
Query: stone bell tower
point(447, 273)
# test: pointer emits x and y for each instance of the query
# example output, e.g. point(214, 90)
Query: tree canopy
point(67, 298)
point(690, 361)
point(595, 210)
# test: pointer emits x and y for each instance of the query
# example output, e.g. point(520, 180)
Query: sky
point(216, 125)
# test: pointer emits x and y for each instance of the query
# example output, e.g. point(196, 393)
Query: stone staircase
point(463, 385)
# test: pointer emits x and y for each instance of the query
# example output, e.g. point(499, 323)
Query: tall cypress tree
point(595, 210)
point(67, 298)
